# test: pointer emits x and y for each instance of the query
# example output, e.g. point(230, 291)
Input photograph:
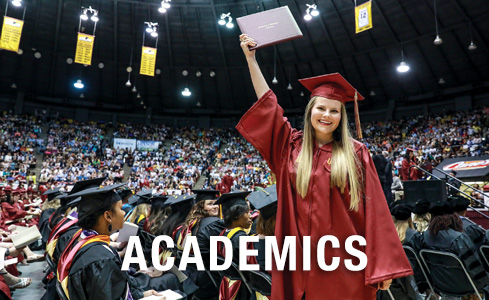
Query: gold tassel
point(357, 118)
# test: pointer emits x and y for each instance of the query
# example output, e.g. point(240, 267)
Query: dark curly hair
point(91, 220)
point(444, 222)
point(233, 213)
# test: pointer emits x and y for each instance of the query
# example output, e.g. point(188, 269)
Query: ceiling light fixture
point(85, 11)
point(212, 74)
point(438, 41)
point(186, 92)
point(129, 70)
point(79, 84)
point(229, 23)
point(17, 3)
point(289, 87)
point(134, 90)
point(311, 11)
point(472, 46)
point(403, 66)
point(441, 81)
point(198, 74)
point(14, 86)
point(372, 93)
point(165, 5)
point(152, 28)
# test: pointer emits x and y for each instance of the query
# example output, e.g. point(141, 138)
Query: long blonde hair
point(141, 209)
point(345, 165)
point(402, 226)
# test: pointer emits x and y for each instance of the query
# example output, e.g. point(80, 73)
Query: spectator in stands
point(396, 187)
point(384, 171)
point(453, 191)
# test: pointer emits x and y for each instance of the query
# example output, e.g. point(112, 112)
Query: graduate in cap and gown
point(140, 208)
point(237, 219)
point(475, 232)
point(202, 213)
point(265, 201)
point(327, 185)
point(404, 288)
point(89, 268)
point(44, 229)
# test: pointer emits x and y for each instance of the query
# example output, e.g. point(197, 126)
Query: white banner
point(125, 143)
point(148, 145)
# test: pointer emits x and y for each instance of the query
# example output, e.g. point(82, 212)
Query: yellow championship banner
point(11, 33)
point(148, 61)
point(84, 49)
point(363, 17)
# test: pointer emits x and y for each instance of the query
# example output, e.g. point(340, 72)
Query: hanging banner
point(363, 17)
point(84, 49)
point(11, 33)
point(148, 61)
point(125, 144)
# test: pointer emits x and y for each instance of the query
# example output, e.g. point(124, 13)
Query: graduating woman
point(88, 267)
point(327, 185)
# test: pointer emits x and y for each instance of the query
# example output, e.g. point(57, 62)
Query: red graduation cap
point(335, 87)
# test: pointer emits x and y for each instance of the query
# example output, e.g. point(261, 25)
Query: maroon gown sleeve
point(386, 257)
point(8, 211)
point(266, 128)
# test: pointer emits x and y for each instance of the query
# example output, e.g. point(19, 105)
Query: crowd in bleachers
point(79, 151)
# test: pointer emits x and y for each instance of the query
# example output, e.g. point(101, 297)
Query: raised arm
point(259, 82)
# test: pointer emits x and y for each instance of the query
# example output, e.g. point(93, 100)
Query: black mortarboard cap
point(421, 206)
point(159, 199)
point(141, 197)
point(205, 195)
point(265, 200)
point(86, 184)
point(53, 193)
point(182, 203)
point(95, 199)
point(228, 200)
point(401, 210)
point(441, 207)
point(124, 193)
point(459, 203)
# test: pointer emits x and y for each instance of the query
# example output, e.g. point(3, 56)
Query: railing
point(455, 188)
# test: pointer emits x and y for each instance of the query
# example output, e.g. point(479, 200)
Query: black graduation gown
point(96, 274)
point(459, 244)
point(44, 228)
point(210, 226)
point(474, 232)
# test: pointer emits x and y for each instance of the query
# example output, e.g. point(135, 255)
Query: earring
point(110, 227)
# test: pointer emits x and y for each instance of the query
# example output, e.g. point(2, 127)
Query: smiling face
point(325, 118)
point(211, 209)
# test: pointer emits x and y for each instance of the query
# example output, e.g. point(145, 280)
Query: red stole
point(69, 254)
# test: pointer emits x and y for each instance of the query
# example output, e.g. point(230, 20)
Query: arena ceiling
point(191, 39)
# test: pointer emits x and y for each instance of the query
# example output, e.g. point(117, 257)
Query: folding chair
point(416, 264)
point(259, 282)
point(233, 273)
point(439, 265)
point(484, 249)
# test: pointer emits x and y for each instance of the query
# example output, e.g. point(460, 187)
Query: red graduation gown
point(324, 211)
